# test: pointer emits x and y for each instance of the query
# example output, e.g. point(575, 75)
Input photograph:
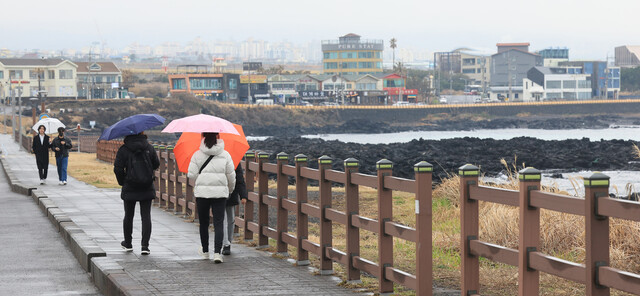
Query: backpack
point(139, 170)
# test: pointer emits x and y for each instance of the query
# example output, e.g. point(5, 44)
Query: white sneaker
point(204, 255)
point(64, 182)
point(60, 183)
point(217, 258)
point(41, 182)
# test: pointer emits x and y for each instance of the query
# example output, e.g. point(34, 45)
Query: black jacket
point(64, 149)
point(41, 150)
point(240, 191)
point(134, 143)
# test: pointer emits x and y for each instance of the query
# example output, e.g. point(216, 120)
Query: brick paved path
point(174, 266)
point(35, 259)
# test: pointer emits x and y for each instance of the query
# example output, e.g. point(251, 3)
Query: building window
point(51, 74)
point(1, 74)
point(554, 95)
point(349, 65)
point(348, 55)
point(379, 65)
point(468, 62)
point(584, 95)
point(179, 83)
point(554, 84)
point(469, 71)
point(15, 74)
point(394, 83)
point(330, 55)
point(332, 65)
point(98, 79)
point(205, 83)
point(365, 65)
point(584, 83)
point(66, 74)
point(233, 83)
point(568, 84)
point(365, 86)
point(365, 55)
point(569, 95)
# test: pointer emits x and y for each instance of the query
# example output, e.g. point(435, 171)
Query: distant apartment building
point(552, 56)
point(99, 80)
point(466, 61)
point(628, 56)
point(556, 83)
point(605, 80)
point(352, 55)
point(198, 81)
point(509, 68)
point(55, 78)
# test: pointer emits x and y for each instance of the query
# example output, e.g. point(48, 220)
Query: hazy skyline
point(590, 29)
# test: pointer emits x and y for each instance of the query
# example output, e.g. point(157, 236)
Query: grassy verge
point(87, 168)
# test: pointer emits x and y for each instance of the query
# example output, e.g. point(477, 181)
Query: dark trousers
point(43, 166)
point(217, 206)
point(145, 215)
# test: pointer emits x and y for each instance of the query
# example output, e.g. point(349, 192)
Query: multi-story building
point(198, 81)
point(509, 68)
point(55, 78)
point(605, 80)
point(553, 56)
point(351, 55)
point(468, 62)
point(556, 83)
point(99, 80)
point(628, 56)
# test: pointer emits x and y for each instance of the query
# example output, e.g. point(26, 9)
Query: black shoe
point(226, 250)
point(145, 251)
point(126, 247)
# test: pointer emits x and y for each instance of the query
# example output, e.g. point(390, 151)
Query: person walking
point(212, 169)
point(239, 194)
point(61, 146)
point(40, 147)
point(135, 162)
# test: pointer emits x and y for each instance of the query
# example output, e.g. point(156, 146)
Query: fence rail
point(175, 193)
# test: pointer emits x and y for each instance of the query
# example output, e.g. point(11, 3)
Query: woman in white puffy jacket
point(213, 170)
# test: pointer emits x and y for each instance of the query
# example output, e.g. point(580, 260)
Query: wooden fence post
point(529, 233)
point(596, 233)
point(163, 171)
point(302, 219)
point(326, 236)
point(470, 274)
point(179, 192)
point(282, 192)
point(424, 257)
point(171, 164)
point(263, 209)
point(249, 175)
point(352, 195)
point(385, 213)
point(156, 174)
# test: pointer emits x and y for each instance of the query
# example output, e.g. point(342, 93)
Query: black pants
point(145, 215)
point(43, 166)
point(217, 206)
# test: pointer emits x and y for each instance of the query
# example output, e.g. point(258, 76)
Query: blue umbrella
point(132, 125)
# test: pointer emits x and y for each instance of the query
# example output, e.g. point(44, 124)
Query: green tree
point(393, 44)
point(630, 79)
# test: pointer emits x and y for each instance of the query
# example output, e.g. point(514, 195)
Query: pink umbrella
point(200, 123)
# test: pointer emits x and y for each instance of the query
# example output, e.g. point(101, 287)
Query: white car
point(443, 100)
point(329, 104)
point(401, 103)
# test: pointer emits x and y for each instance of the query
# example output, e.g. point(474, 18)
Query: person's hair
point(42, 126)
point(61, 130)
point(210, 139)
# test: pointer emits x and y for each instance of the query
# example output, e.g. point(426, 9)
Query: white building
point(55, 76)
point(546, 83)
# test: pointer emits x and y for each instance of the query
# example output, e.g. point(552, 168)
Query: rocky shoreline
point(447, 155)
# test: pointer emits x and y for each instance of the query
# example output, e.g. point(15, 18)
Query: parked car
point(443, 100)
point(329, 104)
point(401, 103)
point(305, 103)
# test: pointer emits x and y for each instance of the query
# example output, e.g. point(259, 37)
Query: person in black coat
point(132, 193)
point(239, 194)
point(61, 146)
point(40, 147)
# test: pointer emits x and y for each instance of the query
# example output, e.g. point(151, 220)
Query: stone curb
point(108, 276)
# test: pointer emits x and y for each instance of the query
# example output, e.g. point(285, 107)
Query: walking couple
point(218, 188)
point(60, 145)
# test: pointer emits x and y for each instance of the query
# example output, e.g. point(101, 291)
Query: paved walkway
point(35, 259)
point(174, 266)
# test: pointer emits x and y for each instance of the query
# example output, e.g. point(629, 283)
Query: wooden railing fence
point(175, 193)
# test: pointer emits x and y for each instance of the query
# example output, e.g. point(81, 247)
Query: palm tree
point(393, 45)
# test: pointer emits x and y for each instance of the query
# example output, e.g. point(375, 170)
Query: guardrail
point(175, 193)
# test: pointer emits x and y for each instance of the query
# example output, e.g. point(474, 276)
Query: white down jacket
point(218, 178)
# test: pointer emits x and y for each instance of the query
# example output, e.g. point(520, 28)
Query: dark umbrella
point(132, 125)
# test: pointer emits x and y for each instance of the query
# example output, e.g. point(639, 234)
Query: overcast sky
point(589, 28)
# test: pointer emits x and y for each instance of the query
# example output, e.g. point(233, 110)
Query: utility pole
point(509, 73)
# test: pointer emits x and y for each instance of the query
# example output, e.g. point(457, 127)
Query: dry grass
point(87, 168)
